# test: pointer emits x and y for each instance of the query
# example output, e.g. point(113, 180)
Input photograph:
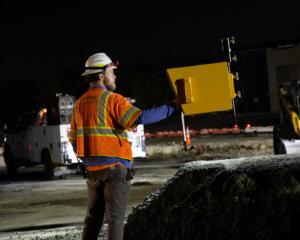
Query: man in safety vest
point(99, 123)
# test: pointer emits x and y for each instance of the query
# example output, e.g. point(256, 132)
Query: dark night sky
point(40, 39)
point(44, 37)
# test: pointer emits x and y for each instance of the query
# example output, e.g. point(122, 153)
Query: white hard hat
point(98, 62)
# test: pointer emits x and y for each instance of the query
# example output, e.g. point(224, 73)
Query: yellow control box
point(203, 88)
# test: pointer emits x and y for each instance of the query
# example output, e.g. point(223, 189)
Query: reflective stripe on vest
point(73, 135)
point(101, 131)
point(101, 117)
point(127, 115)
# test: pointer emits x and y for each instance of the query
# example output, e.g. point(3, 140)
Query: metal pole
point(184, 133)
point(233, 112)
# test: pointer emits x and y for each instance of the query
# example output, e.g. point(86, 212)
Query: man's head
point(99, 70)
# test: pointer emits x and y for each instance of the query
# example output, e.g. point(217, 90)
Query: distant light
point(29, 147)
point(248, 125)
point(235, 126)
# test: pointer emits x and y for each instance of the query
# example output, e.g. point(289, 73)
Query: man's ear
point(101, 76)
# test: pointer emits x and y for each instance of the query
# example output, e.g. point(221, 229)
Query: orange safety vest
point(99, 122)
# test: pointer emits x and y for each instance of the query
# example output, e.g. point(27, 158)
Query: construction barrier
point(250, 129)
point(171, 134)
point(192, 132)
point(179, 133)
point(235, 130)
point(213, 131)
point(149, 135)
point(159, 134)
point(220, 130)
point(204, 131)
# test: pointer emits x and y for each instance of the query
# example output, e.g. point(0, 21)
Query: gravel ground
point(212, 147)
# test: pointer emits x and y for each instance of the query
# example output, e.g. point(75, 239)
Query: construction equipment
point(203, 89)
point(286, 135)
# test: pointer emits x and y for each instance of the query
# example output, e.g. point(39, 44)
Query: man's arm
point(155, 115)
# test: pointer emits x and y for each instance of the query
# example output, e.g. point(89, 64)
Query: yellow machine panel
point(203, 88)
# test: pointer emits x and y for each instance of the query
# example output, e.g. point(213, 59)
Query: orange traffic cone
point(188, 139)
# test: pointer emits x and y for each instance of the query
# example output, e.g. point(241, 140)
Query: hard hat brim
point(91, 71)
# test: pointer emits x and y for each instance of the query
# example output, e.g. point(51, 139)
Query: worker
point(98, 135)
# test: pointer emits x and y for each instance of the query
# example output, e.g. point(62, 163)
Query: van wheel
point(11, 168)
point(48, 166)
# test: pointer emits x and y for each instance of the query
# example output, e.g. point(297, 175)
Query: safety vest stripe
point(132, 118)
point(102, 102)
point(98, 111)
point(73, 134)
point(101, 131)
point(127, 115)
point(93, 155)
point(105, 107)
point(102, 135)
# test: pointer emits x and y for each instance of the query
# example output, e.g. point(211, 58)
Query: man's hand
point(133, 126)
point(177, 103)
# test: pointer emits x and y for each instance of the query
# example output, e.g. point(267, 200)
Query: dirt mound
point(246, 198)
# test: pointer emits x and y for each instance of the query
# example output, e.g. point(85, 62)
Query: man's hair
point(93, 77)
